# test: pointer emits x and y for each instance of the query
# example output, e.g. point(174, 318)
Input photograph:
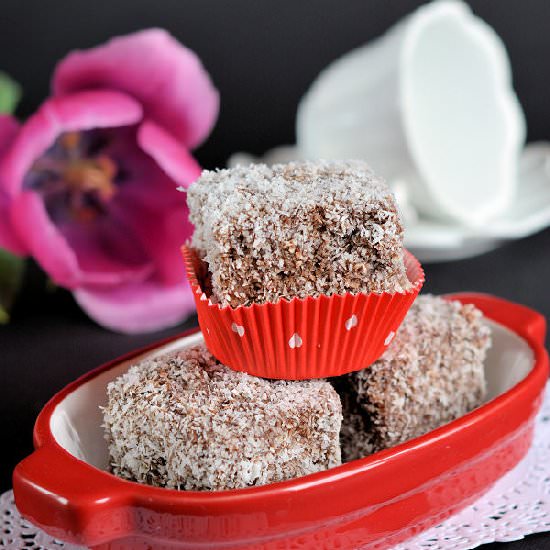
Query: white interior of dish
point(76, 421)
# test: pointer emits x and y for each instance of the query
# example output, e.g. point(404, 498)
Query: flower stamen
point(74, 182)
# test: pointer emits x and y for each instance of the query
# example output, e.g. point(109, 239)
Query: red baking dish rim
point(34, 473)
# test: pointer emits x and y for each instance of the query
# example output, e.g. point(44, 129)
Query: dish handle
point(54, 491)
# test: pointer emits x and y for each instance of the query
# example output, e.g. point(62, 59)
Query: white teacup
point(430, 103)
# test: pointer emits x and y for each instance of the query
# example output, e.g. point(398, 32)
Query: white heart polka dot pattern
point(351, 322)
point(295, 341)
point(238, 329)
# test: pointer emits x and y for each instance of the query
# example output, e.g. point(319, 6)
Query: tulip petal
point(107, 252)
point(8, 236)
point(152, 66)
point(79, 111)
point(159, 220)
point(169, 154)
point(8, 130)
point(138, 307)
point(69, 264)
point(9, 239)
point(43, 240)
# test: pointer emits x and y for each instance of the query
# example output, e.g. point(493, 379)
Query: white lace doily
point(18, 533)
point(517, 505)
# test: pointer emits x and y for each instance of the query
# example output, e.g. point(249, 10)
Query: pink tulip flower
point(88, 184)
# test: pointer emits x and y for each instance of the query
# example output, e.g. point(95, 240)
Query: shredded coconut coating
point(185, 421)
point(431, 373)
point(298, 229)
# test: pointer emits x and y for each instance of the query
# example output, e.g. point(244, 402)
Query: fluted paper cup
point(301, 338)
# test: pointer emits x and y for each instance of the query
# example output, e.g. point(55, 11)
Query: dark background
point(262, 56)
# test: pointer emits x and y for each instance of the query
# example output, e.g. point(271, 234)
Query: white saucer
point(436, 241)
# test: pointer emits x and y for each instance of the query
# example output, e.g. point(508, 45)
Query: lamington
point(295, 230)
point(430, 374)
point(185, 421)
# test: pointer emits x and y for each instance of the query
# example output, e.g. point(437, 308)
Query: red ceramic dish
point(374, 502)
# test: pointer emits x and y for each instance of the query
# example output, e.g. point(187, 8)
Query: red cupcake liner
point(302, 338)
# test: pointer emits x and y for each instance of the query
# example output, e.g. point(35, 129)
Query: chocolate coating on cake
point(431, 373)
point(185, 421)
point(298, 229)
